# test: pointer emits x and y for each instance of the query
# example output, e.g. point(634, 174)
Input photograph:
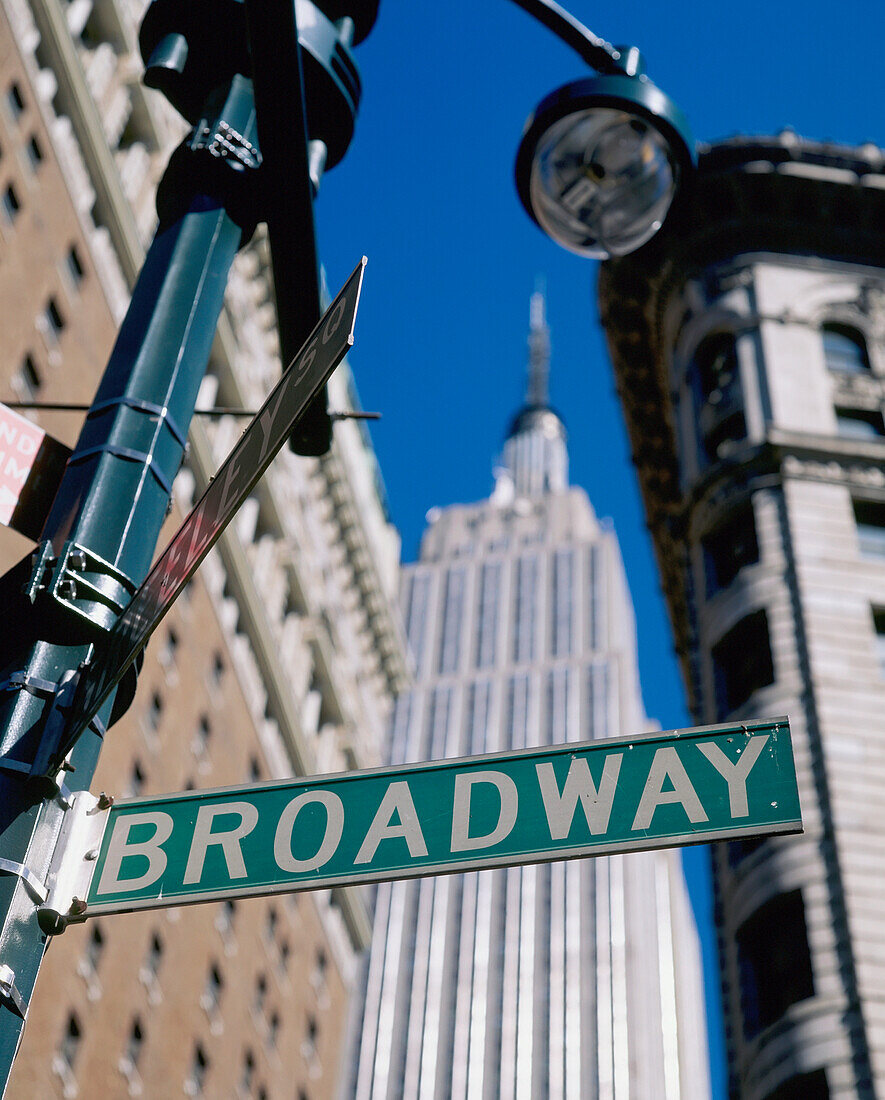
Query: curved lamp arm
point(598, 53)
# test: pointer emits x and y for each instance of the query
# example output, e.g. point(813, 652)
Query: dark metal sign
point(319, 356)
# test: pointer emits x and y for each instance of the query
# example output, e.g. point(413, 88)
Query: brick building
point(281, 657)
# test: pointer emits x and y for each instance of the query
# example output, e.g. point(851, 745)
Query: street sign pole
point(100, 533)
point(531, 806)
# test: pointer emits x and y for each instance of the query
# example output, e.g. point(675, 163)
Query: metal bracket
point(224, 142)
point(30, 881)
point(73, 862)
point(49, 758)
point(81, 583)
point(9, 993)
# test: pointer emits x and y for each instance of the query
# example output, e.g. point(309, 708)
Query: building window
point(54, 320)
point(196, 1080)
point(310, 1038)
point(167, 651)
point(285, 952)
point(248, 1072)
point(217, 672)
point(11, 204)
point(715, 379)
point(136, 780)
point(74, 266)
point(845, 349)
point(742, 662)
point(260, 994)
point(212, 990)
point(152, 960)
point(273, 1029)
point(154, 713)
point(204, 735)
point(561, 626)
point(34, 153)
point(224, 920)
point(559, 688)
point(15, 101)
point(134, 1045)
point(270, 924)
point(859, 424)
point(729, 547)
point(869, 515)
point(453, 620)
point(807, 1086)
point(416, 615)
point(27, 381)
point(93, 952)
point(487, 627)
point(70, 1042)
point(524, 610)
point(774, 961)
point(879, 627)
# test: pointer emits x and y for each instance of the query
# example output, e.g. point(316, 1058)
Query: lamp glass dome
point(602, 180)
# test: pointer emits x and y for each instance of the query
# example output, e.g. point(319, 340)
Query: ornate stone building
point(567, 980)
point(282, 656)
point(749, 346)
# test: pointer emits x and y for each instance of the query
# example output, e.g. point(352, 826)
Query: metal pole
point(278, 75)
point(99, 538)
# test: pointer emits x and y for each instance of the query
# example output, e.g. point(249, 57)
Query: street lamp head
point(600, 162)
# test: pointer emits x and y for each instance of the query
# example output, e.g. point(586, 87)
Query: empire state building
point(570, 980)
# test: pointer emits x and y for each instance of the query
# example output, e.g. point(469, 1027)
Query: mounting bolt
point(77, 560)
point(67, 589)
point(78, 906)
point(105, 801)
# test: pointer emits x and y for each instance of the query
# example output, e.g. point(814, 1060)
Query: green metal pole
point(104, 523)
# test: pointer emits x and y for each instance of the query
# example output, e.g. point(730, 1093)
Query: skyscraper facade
point(749, 344)
point(280, 658)
point(571, 979)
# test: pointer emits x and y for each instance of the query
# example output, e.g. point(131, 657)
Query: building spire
point(535, 459)
point(538, 389)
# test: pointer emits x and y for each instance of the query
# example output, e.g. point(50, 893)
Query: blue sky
point(426, 192)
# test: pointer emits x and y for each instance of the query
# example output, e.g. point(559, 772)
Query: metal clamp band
point(143, 457)
point(34, 685)
point(9, 991)
point(160, 411)
point(31, 883)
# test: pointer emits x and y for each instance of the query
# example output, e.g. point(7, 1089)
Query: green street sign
point(589, 798)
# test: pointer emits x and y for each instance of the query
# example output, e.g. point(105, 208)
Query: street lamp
point(601, 158)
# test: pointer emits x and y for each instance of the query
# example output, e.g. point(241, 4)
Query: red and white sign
point(20, 441)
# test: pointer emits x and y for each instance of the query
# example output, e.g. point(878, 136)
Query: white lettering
point(8, 431)
point(464, 784)
point(397, 799)
point(282, 841)
point(334, 322)
point(120, 848)
point(667, 765)
point(597, 805)
point(228, 841)
point(13, 470)
point(306, 361)
point(27, 444)
point(266, 422)
point(735, 774)
point(223, 505)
